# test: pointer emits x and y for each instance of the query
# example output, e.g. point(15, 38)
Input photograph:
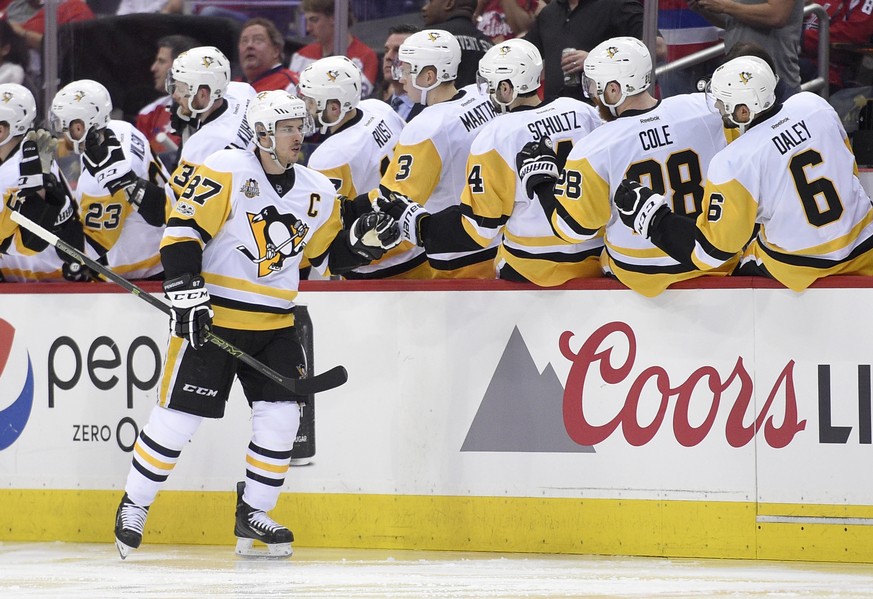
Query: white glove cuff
point(409, 222)
point(644, 217)
point(539, 167)
point(188, 298)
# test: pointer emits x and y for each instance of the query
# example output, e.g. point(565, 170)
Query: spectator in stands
point(260, 55)
point(13, 56)
point(320, 24)
point(154, 120)
point(456, 17)
point(851, 23)
point(69, 11)
point(685, 32)
point(397, 96)
point(505, 19)
point(126, 7)
point(789, 184)
point(580, 25)
point(775, 25)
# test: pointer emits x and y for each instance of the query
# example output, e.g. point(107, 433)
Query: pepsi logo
point(16, 381)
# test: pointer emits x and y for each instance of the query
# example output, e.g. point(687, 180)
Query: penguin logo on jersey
point(277, 236)
point(250, 189)
point(745, 77)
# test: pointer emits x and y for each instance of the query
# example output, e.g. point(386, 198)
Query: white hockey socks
point(274, 428)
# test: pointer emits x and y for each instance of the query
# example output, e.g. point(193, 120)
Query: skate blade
point(123, 550)
point(246, 548)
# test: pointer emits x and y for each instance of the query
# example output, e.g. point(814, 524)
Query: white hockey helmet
point(332, 78)
point(270, 107)
point(625, 60)
point(17, 109)
point(84, 100)
point(199, 67)
point(431, 48)
point(746, 80)
point(517, 61)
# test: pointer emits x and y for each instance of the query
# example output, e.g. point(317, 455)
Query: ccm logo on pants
point(200, 390)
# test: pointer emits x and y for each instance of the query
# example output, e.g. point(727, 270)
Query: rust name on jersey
point(382, 134)
point(793, 136)
point(478, 115)
point(553, 124)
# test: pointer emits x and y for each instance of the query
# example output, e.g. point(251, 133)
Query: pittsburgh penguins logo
point(433, 36)
point(207, 61)
point(332, 75)
point(7, 97)
point(611, 51)
point(79, 96)
point(745, 77)
point(277, 236)
point(504, 50)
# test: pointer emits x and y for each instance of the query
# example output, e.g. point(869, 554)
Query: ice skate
point(255, 525)
point(129, 523)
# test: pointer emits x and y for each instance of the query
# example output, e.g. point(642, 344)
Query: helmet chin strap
point(613, 107)
point(272, 153)
point(326, 125)
point(423, 90)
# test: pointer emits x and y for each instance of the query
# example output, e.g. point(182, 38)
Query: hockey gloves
point(638, 206)
point(373, 234)
point(191, 316)
point(537, 164)
point(30, 169)
point(408, 214)
point(106, 162)
point(46, 144)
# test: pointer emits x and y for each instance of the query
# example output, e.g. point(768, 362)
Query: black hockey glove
point(29, 169)
point(537, 164)
point(106, 162)
point(408, 214)
point(638, 206)
point(353, 208)
point(373, 234)
point(192, 313)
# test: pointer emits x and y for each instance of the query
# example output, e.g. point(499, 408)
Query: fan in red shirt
point(260, 55)
point(850, 23)
point(320, 25)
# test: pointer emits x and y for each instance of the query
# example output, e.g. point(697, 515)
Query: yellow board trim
point(496, 524)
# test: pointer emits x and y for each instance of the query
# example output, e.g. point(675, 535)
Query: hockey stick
point(329, 379)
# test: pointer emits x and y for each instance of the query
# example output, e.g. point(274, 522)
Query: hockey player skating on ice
point(251, 300)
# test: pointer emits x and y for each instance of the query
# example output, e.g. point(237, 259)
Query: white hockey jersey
point(429, 164)
point(253, 240)
point(795, 176)
point(356, 156)
point(112, 225)
point(18, 263)
point(667, 149)
point(224, 129)
point(495, 202)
